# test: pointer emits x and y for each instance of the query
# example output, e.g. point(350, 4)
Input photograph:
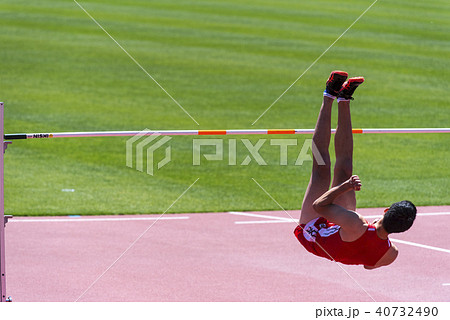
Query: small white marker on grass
point(68, 190)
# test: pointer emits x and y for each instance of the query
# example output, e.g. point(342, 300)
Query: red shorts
point(306, 235)
point(301, 238)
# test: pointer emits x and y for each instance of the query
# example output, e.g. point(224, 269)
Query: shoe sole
point(333, 73)
point(358, 80)
point(334, 76)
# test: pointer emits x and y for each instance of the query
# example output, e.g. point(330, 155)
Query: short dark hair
point(399, 217)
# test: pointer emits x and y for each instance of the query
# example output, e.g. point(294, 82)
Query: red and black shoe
point(348, 88)
point(334, 83)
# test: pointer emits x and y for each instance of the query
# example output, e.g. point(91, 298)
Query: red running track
point(213, 257)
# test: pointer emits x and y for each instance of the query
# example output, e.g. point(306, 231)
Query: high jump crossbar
point(23, 136)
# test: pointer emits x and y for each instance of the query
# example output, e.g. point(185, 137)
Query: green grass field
point(225, 62)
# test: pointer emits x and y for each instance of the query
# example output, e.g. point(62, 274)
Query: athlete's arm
point(328, 197)
point(332, 212)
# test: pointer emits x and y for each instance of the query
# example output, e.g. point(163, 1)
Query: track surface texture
point(229, 256)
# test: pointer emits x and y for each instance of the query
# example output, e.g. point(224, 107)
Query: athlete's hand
point(354, 183)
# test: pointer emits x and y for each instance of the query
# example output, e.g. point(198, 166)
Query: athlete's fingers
point(355, 183)
point(355, 180)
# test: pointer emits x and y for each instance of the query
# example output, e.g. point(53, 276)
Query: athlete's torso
point(323, 239)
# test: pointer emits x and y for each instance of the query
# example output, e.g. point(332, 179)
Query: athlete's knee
point(322, 161)
point(322, 171)
point(344, 168)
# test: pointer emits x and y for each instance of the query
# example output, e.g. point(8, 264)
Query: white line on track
point(421, 245)
point(273, 219)
point(262, 221)
point(74, 219)
point(446, 284)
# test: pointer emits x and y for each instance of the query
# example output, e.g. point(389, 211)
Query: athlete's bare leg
point(321, 171)
point(321, 174)
point(343, 145)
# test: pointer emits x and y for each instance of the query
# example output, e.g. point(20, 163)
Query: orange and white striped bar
point(19, 136)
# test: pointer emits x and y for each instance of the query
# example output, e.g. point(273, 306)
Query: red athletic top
point(320, 234)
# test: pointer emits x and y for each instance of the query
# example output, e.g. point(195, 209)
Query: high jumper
point(329, 226)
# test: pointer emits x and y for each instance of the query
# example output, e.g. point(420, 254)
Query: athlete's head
point(399, 217)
